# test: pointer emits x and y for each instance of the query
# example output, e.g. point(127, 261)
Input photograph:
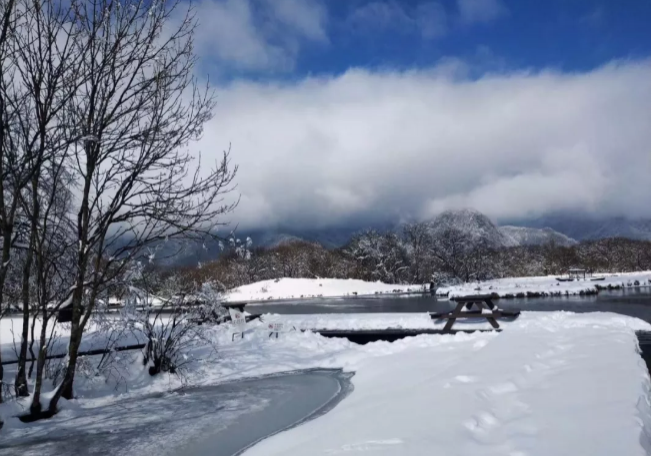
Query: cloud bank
point(375, 146)
point(257, 35)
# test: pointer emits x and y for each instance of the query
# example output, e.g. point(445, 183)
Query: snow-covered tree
point(381, 256)
point(461, 256)
point(418, 240)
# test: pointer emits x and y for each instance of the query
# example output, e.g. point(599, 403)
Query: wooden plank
point(449, 324)
point(97, 351)
point(493, 322)
point(391, 332)
point(390, 335)
point(467, 313)
point(489, 303)
point(471, 298)
point(474, 314)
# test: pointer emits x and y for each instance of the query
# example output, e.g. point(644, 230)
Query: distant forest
point(416, 255)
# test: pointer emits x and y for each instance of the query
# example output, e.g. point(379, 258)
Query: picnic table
point(481, 302)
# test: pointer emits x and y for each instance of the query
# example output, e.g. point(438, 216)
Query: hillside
point(581, 227)
point(520, 235)
point(472, 223)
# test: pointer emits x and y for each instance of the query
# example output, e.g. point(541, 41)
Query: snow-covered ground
point(545, 285)
point(573, 388)
point(376, 321)
point(313, 288)
point(550, 383)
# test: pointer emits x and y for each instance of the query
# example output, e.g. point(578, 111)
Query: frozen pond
point(634, 302)
point(220, 420)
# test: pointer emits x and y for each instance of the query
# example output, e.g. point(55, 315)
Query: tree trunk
point(20, 384)
point(6, 245)
point(32, 339)
point(65, 388)
point(35, 408)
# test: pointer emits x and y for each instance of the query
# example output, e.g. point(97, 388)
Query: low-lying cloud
point(406, 145)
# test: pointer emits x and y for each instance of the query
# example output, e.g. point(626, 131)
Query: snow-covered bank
point(568, 389)
point(378, 321)
point(297, 289)
point(314, 288)
point(530, 389)
point(518, 287)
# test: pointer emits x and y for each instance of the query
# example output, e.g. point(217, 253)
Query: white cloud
point(307, 18)
point(426, 18)
point(257, 35)
point(478, 11)
point(378, 145)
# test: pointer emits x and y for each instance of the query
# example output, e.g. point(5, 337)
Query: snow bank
point(539, 320)
point(351, 321)
point(546, 285)
point(522, 392)
point(313, 288)
point(550, 383)
point(295, 289)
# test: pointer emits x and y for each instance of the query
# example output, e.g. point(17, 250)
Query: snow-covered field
point(314, 288)
point(545, 285)
point(576, 387)
point(550, 383)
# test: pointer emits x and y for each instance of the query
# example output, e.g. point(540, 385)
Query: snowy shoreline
point(296, 289)
point(546, 286)
point(288, 289)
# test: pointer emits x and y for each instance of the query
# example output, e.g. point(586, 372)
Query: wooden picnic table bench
point(480, 302)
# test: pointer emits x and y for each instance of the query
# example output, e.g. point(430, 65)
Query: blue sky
point(329, 37)
point(565, 34)
point(352, 111)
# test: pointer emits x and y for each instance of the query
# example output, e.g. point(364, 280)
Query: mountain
point(521, 235)
point(582, 228)
point(272, 239)
point(186, 252)
point(472, 223)
point(562, 229)
point(479, 227)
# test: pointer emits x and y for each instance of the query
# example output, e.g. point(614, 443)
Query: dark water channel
point(634, 302)
point(221, 420)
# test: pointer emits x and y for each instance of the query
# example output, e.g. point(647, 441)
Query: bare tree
point(461, 256)
point(8, 201)
point(382, 256)
point(137, 107)
point(45, 64)
point(53, 271)
point(418, 239)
